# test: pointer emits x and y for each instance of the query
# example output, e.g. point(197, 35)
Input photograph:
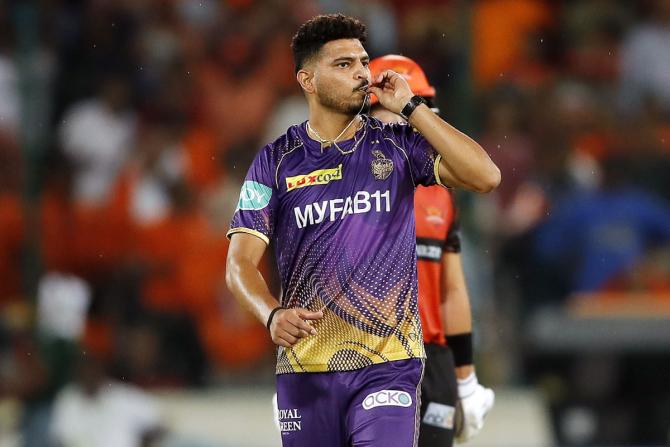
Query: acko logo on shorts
point(386, 398)
point(318, 177)
point(254, 196)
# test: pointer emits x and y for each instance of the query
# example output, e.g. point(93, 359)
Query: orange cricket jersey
point(436, 233)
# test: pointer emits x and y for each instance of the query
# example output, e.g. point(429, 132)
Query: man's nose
point(362, 72)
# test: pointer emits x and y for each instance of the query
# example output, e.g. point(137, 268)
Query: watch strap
point(411, 106)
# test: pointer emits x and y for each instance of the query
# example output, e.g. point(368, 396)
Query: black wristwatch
point(413, 103)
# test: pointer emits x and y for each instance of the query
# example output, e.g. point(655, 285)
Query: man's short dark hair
point(319, 30)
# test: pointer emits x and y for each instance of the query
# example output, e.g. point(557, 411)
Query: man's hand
point(392, 90)
point(476, 401)
point(288, 326)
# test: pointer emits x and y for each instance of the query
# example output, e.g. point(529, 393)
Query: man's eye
point(343, 64)
point(366, 63)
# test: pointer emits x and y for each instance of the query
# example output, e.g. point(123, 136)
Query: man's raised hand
point(392, 90)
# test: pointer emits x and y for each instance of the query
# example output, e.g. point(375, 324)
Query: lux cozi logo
point(318, 177)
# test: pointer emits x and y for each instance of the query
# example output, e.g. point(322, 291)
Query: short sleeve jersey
point(342, 221)
point(437, 233)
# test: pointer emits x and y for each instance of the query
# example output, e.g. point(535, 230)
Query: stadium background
point(126, 127)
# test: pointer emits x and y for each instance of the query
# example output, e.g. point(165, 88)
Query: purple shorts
point(374, 406)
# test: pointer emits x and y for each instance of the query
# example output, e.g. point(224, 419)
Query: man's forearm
point(464, 162)
point(250, 289)
point(457, 314)
point(456, 310)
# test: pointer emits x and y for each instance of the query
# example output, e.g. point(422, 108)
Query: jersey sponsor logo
point(387, 398)
point(318, 177)
point(290, 420)
point(428, 249)
point(439, 415)
point(254, 196)
point(360, 203)
point(381, 166)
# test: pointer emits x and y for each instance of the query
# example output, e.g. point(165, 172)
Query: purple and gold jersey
point(342, 221)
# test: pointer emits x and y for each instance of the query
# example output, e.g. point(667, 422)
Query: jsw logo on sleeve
point(386, 398)
point(360, 203)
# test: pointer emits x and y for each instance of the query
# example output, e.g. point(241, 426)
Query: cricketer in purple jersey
point(336, 195)
point(342, 221)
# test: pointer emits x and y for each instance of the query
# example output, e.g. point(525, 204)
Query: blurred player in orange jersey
point(444, 305)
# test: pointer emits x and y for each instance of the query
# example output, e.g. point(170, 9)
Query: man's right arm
point(248, 286)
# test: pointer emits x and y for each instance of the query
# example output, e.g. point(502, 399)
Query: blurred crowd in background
point(126, 128)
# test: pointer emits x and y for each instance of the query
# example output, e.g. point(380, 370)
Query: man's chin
point(356, 107)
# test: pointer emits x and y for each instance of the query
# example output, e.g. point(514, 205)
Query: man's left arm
point(464, 163)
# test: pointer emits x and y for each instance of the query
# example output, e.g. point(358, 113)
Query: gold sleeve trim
point(436, 170)
point(258, 234)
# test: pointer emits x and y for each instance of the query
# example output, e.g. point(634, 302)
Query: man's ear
point(306, 80)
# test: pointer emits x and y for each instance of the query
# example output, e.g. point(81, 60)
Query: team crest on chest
point(381, 166)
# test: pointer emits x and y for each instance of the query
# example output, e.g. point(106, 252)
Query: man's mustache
point(364, 86)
